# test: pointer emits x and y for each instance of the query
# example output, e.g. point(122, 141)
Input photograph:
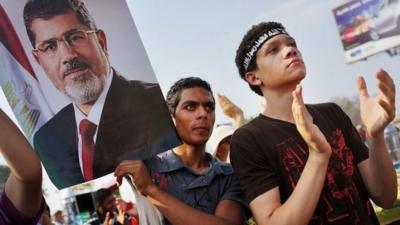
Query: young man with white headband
point(305, 164)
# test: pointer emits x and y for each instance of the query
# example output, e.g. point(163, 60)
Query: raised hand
point(230, 109)
point(108, 219)
point(120, 215)
point(137, 171)
point(227, 106)
point(377, 112)
point(311, 134)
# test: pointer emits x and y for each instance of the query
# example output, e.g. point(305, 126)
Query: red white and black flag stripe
point(19, 82)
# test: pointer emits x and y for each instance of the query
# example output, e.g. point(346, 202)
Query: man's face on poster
point(73, 56)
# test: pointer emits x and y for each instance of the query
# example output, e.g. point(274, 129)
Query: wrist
point(376, 142)
point(239, 118)
point(320, 158)
point(151, 190)
point(377, 135)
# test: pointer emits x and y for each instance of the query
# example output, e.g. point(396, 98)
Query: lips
point(201, 128)
point(73, 71)
point(295, 62)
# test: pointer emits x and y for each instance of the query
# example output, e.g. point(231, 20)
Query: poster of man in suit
point(91, 70)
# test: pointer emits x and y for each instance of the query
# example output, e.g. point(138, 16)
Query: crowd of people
point(295, 163)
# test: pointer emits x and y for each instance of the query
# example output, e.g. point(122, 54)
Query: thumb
point(362, 88)
point(119, 179)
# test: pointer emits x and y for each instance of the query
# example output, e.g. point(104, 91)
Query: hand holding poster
point(110, 113)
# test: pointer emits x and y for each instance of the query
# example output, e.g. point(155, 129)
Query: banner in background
point(367, 27)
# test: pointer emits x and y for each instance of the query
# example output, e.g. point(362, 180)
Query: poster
point(81, 86)
point(367, 27)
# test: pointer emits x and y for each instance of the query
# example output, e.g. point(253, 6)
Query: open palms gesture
point(378, 111)
point(311, 134)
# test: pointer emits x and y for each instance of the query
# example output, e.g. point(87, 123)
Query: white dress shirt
point(93, 116)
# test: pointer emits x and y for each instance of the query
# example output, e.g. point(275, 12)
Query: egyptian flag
point(19, 81)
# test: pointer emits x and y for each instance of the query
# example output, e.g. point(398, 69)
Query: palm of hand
point(227, 106)
point(230, 111)
point(377, 112)
point(373, 116)
point(311, 133)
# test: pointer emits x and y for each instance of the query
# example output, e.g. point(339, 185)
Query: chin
point(198, 141)
point(299, 75)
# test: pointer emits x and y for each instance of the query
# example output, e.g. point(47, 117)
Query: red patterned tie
point(87, 130)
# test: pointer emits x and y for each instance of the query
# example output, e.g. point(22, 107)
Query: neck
point(192, 157)
point(279, 105)
point(85, 108)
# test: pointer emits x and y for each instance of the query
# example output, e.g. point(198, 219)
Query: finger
point(362, 88)
point(119, 180)
point(119, 208)
point(299, 94)
point(385, 81)
point(122, 170)
point(297, 106)
point(298, 97)
point(126, 165)
point(122, 164)
point(115, 214)
point(383, 76)
point(386, 94)
point(107, 218)
point(220, 97)
point(389, 110)
point(117, 171)
point(303, 117)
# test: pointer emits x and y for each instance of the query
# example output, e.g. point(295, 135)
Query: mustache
point(73, 65)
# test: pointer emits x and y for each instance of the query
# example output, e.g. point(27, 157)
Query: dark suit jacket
point(135, 124)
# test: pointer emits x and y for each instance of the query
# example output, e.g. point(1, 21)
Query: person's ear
point(252, 78)
point(101, 36)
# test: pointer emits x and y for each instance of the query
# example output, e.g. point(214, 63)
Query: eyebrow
point(63, 34)
point(198, 102)
point(274, 42)
point(285, 38)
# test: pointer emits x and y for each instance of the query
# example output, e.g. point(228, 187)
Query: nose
point(202, 112)
point(66, 52)
point(291, 51)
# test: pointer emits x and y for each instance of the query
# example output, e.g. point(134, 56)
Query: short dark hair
point(101, 195)
point(174, 93)
point(247, 42)
point(46, 9)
